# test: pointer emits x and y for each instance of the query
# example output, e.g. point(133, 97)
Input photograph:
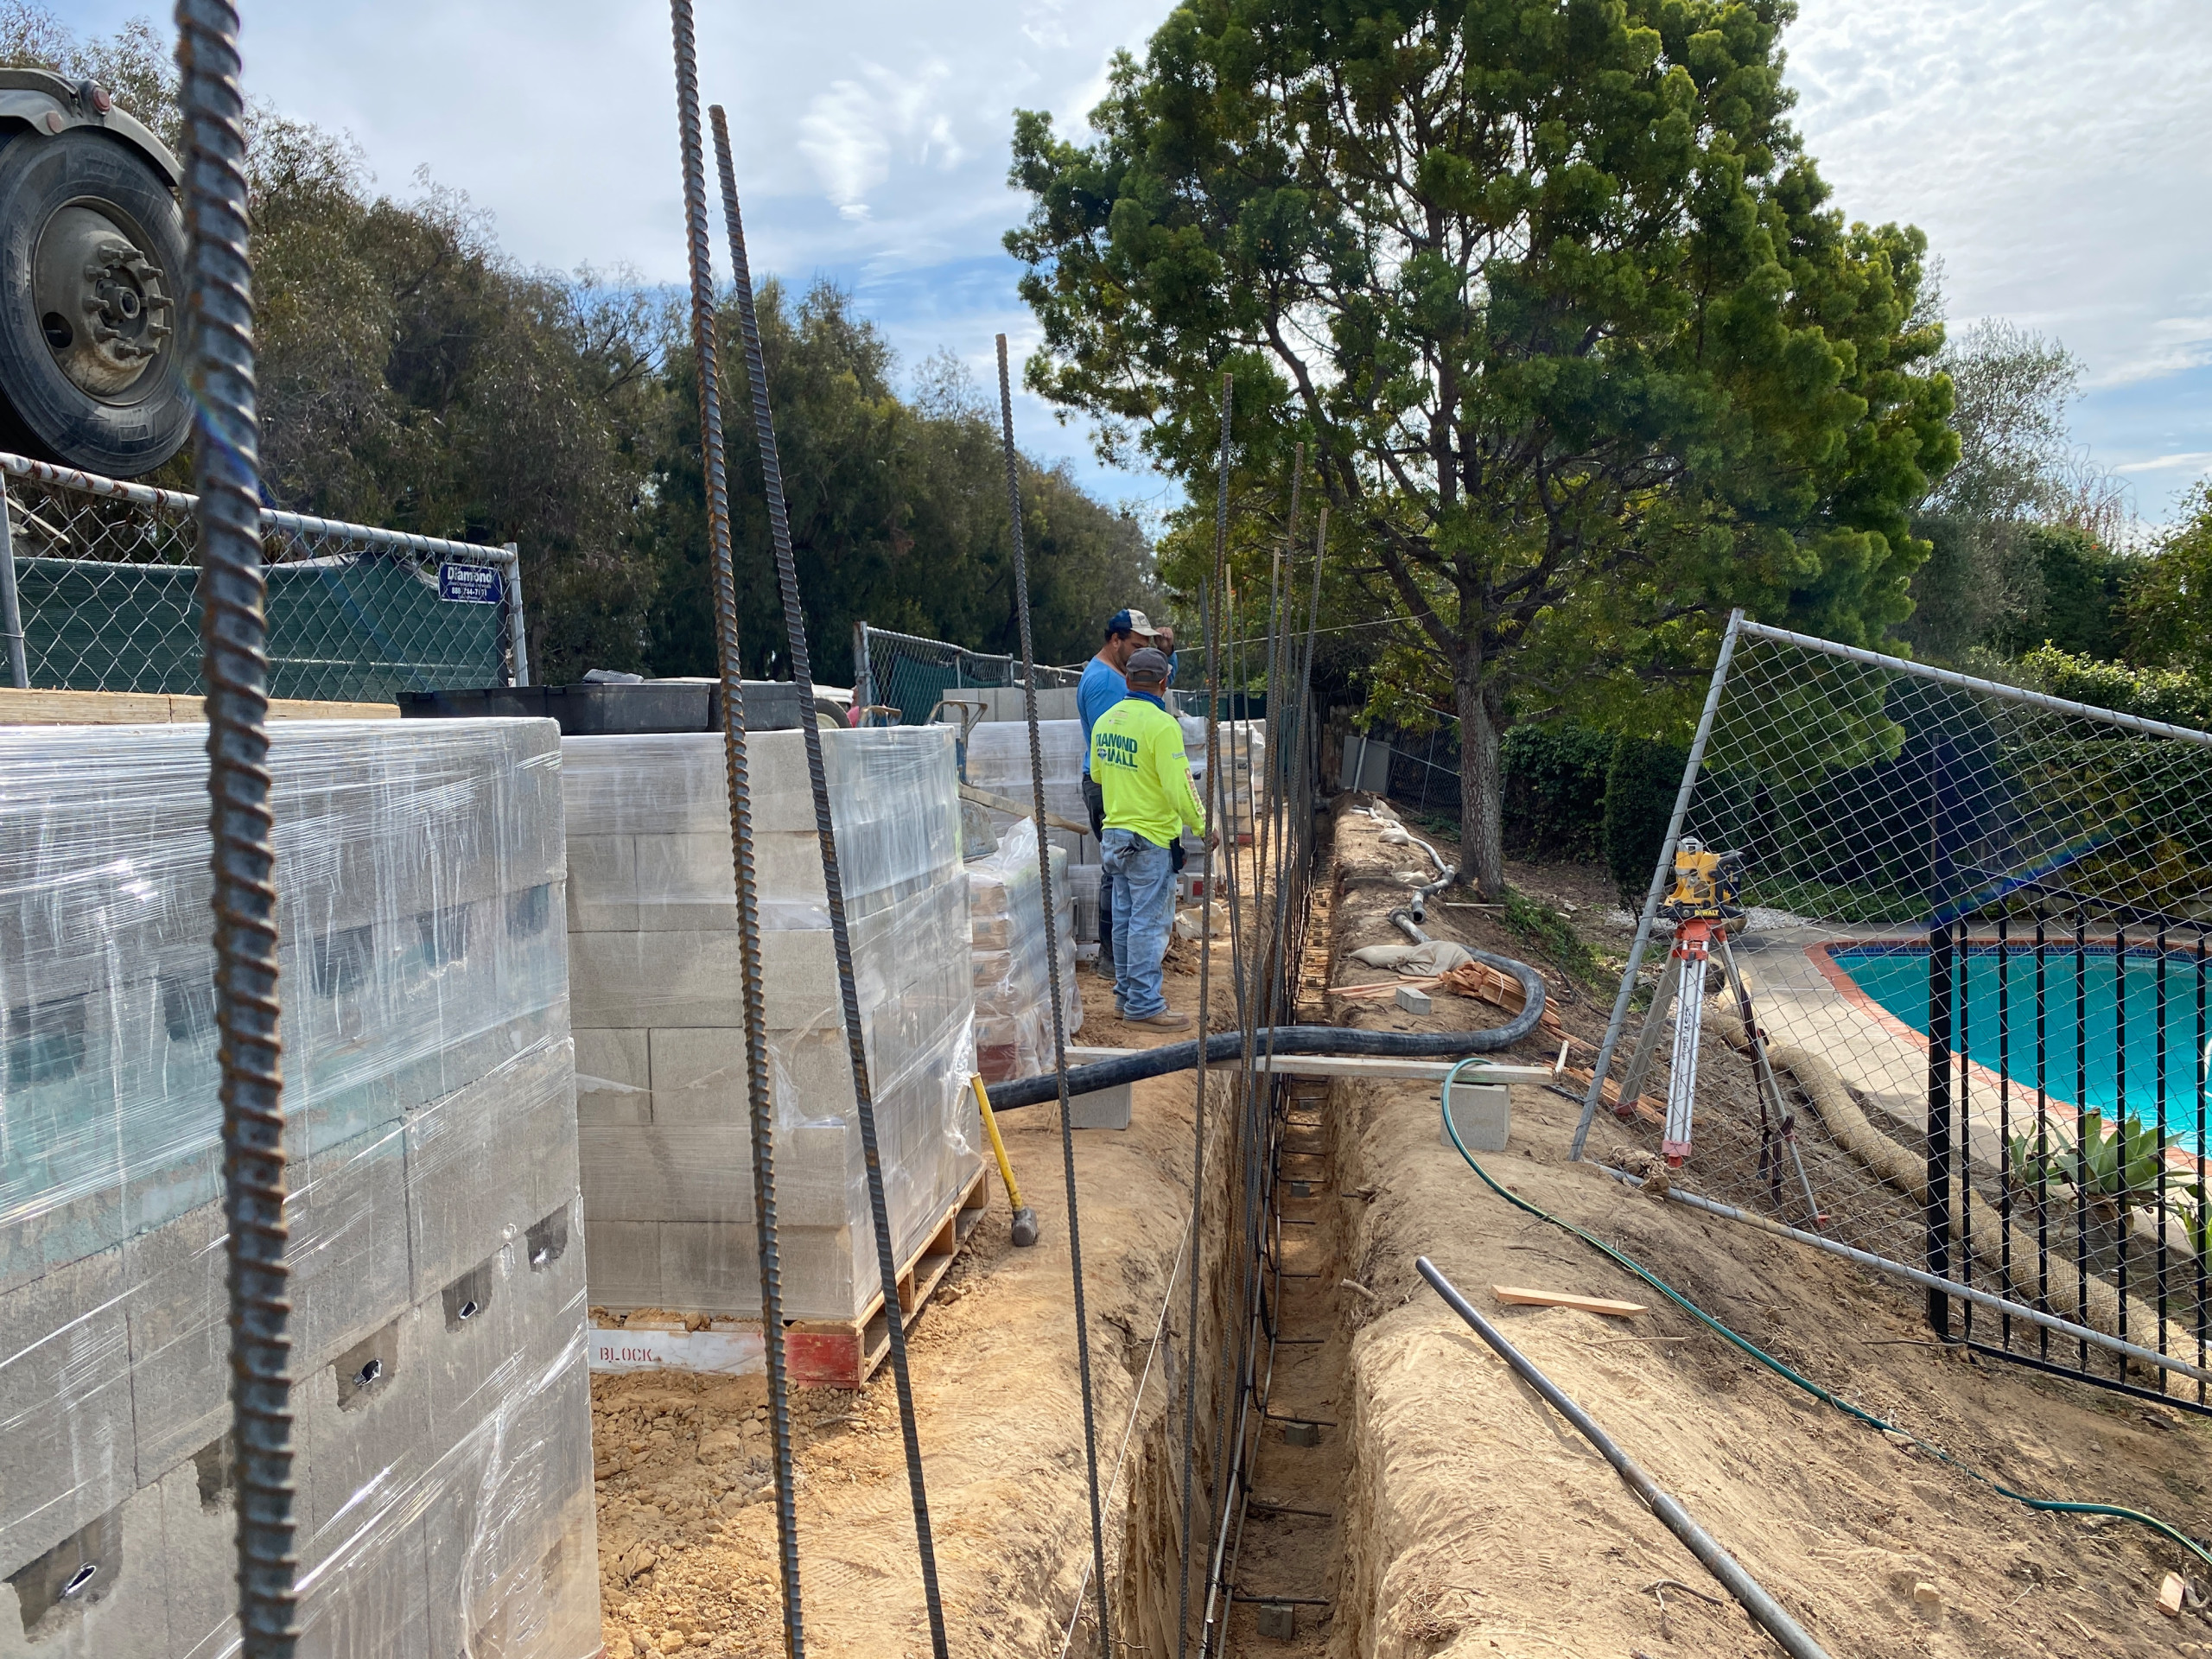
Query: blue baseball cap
point(1127, 621)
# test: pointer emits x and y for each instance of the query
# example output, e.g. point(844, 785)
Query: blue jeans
point(1142, 877)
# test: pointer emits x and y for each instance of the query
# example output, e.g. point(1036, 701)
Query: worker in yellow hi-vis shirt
point(1137, 760)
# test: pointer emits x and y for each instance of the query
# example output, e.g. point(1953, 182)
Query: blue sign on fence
point(471, 584)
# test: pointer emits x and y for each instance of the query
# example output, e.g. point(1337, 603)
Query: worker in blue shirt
point(1101, 687)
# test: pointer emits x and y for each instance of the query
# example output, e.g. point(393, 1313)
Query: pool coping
point(1821, 954)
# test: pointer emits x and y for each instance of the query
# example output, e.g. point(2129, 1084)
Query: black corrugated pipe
point(1292, 1040)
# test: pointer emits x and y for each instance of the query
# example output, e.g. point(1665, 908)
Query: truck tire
point(91, 300)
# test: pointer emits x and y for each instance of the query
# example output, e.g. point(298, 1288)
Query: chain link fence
point(99, 593)
point(1978, 931)
point(911, 675)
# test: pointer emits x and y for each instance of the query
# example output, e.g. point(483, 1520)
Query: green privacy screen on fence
point(339, 630)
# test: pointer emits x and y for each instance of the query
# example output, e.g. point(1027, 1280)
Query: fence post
point(863, 677)
point(518, 643)
point(1936, 1209)
point(11, 615)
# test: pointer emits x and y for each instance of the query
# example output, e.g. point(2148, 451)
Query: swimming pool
point(1994, 995)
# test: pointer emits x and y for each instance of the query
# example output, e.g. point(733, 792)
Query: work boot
point(1165, 1019)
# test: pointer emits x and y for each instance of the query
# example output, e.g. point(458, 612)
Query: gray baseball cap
point(1146, 664)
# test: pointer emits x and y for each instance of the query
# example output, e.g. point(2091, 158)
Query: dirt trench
point(1441, 1509)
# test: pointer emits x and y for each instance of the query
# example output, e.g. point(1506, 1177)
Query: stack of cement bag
point(442, 1408)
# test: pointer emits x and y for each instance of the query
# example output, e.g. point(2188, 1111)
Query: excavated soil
point(1444, 1511)
point(686, 1526)
point(1480, 1524)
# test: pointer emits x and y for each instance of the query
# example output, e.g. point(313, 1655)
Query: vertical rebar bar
point(2082, 1104)
point(2004, 1120)
point(2043, 1135)
point(760, 1112)
point(779, 534)
point(234, 634)
point(1207, 613)
point(2158, 1200)
point(2119, 1118)
point(1059, 1028)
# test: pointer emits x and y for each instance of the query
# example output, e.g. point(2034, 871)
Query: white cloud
point(2192, 462)
point(2058, 155)
point(849, 131)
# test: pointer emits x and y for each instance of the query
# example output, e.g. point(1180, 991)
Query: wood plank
point(37, 707)
point(1521, 1296)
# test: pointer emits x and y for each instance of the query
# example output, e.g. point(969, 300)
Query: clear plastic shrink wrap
point(660, 1036)
point(442, 1409)
point(1014, 1018)
point(998, 761)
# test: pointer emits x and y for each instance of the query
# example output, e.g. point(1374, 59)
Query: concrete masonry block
point(613, 1078)
point(715, 1269)
point(513, 1554)
point(120, 1611)
point(699, 1076)
point(1482, 1113)
point(602, 884)
point(691, 977)
point(349, 1248)
point(370, 1439)
point(622, 1262)
point(374, 1597)
point(199, 1538)
point(486, 1162)
point(178, 1315)
point(66, 1452)
point(658, 1171)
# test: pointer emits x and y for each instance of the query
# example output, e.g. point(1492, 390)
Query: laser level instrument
point(1706, 895)
point(1702, 899)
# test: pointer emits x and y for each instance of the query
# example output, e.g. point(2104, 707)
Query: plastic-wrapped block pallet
point(1013, 1012)
point(998, 761)
point(442, 1406)
point(660, 1034)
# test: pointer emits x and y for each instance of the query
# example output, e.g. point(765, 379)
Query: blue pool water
point(2081, 1007)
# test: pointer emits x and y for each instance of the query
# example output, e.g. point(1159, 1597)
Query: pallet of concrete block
point(1243, 745)
point(661, 1026)
point(442, 1408)
point(1013, 1008)
point(998, 761)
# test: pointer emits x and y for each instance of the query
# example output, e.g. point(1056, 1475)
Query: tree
point(2018, 483)
point(898, 510)
point(2170, 593)
point(1551, 293)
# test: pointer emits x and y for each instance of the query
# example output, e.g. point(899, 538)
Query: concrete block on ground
point(1101, 1109)
point(1411, 1000)
point(101, 1593)
point(1482, 1113)
point(67, 1453)
point(613, 1078)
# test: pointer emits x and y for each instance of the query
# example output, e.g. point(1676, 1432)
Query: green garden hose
point(2172, 1535)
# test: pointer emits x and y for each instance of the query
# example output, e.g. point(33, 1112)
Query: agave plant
point(2118, 1167)
point(2032, 1169)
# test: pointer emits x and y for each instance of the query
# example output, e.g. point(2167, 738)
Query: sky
point(2058, 155)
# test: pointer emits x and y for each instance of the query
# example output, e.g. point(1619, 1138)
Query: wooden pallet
point(845, 1353)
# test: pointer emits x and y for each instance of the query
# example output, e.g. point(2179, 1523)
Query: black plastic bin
point(615, 708)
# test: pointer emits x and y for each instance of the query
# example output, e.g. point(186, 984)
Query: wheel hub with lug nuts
point(100, 300)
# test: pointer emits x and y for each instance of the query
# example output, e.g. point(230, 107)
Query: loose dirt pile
point(1479, 1523)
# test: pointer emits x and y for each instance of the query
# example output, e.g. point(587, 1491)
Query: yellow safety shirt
point(1136, 756)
